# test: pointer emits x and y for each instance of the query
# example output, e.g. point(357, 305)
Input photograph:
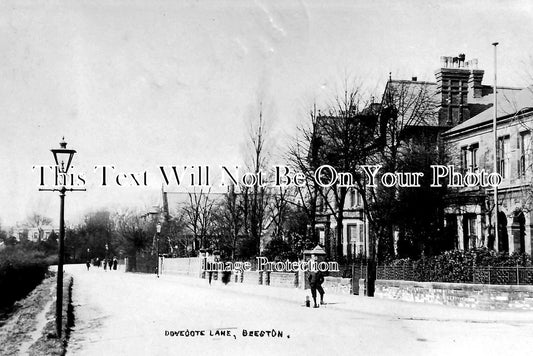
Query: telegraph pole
point(495, 132)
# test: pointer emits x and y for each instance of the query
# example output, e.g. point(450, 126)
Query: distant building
point(34, 234)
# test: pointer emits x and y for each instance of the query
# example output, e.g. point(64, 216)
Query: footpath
point(28, 329)
point(367, 305)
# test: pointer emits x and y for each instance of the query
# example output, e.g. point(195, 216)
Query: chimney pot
point(442, 61)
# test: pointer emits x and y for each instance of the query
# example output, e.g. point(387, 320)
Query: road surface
point(121, 313)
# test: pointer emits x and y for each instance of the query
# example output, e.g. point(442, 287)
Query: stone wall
point(251, 277)
point(181, 266)
point(337, 285)
point(480, 296)
point(283, 279)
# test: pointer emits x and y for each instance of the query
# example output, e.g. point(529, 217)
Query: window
point(352, 238)
point(356, 239)
point(469, 158)
point(320, 203)
point(474, 150)
point(469, 231)
point(352, 198)
point(361, 247)
point(523, 145)
point(503, 152)
point(464, 158)
point(322, 237)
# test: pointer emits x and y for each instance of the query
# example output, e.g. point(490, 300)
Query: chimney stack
point(452, 85)
point(474, 81)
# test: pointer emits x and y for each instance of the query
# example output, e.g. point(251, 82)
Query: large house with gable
point(455, 112)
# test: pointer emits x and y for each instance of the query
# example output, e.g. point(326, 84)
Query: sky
point(137, 84)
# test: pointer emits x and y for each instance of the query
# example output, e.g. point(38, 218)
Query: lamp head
point(63, 156)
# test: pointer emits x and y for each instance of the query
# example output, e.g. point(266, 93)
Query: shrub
point(279, 250)
point(457, 265)
point(20, 271)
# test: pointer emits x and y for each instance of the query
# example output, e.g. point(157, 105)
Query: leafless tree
point(134, 234)
point(303, 157)
point(198, 214)
point(255, 199)
point(36, 220)
point(347, 141)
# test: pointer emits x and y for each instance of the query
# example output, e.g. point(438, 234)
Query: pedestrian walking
point(316, 278)
point(105, 264)
point(88, 264)
point(115, 263)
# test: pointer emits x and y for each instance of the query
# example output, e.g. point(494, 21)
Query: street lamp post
point(63, 158)
point(106, 254)
point(155, 213)
point(495, 134)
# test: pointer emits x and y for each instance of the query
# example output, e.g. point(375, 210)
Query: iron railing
point(515, 275)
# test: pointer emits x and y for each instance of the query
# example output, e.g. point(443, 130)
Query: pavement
point(121, 313)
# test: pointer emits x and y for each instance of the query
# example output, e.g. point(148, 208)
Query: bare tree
point(303, 157)
point(134, 234)
point(347, 132)
point(198, 214)
point(231, 218)
point(256, 198)
point(36, 220)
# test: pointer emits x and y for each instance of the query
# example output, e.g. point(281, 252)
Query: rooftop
point(510, 101)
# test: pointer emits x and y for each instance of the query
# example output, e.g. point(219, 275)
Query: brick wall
point(479, 296)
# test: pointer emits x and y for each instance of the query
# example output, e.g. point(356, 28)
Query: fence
point(353, 271)
point(462, 274)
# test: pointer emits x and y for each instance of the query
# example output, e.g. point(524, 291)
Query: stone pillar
point(527, 238)
point(510, 236)
point(344, 238)
point(479, 232)
point(460, 240)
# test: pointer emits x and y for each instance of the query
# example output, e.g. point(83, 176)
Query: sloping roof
point(510, 101)
point(316, 251)
point(410, 96)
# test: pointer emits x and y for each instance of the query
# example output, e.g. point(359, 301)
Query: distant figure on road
point(315, 280)
point(105, 264)
point(88, 264)
point(115, 263)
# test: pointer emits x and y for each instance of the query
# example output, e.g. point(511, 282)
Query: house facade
point(455, 114)
point(355, 226)
point(34, 234)
point(470, 212)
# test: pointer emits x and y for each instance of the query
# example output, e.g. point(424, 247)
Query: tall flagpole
point(494, 129)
